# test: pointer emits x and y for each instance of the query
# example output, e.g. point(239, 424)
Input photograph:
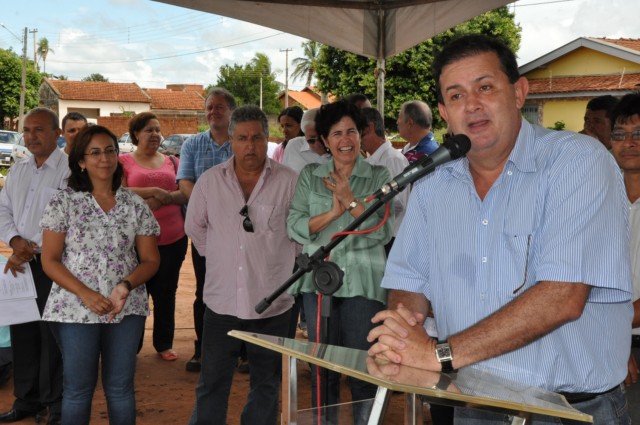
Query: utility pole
point(23, 85)
point(286, 77)
point(35, 62)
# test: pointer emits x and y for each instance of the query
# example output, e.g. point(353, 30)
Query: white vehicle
point(125, 145)
point(7, 140)
point(19, 150)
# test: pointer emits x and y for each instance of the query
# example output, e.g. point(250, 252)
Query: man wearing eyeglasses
point(237, 220)
point(625, 147)
point(307, 149)
point(37, 363)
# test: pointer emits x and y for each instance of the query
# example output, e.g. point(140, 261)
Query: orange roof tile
point(99, 91)
point(306, 99)
point(629, 43)
point(584, 83)
point(170, 99)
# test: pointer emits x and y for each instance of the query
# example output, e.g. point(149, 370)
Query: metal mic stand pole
point(327, 278)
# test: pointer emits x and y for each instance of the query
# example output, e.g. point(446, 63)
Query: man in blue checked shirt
point(521, 249)
point(198, 154)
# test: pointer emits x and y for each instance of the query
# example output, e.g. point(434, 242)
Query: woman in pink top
point(289, 120)
point(152, 176)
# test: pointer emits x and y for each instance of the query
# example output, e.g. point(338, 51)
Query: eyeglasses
point(247, 225)
point(619, 136)
point(97, 153)
point(526, 266)
point(312, 140)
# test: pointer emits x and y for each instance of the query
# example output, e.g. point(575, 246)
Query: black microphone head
point(457, 145)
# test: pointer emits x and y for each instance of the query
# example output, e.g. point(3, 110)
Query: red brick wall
point(169, 125)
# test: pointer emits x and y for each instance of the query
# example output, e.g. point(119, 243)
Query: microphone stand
point(327, 277)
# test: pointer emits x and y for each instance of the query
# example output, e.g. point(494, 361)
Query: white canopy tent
point(373, 28)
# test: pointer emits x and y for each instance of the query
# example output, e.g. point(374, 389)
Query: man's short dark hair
point(55, 121)
point(372, 115)
point(73, 116)
point(626, 107)
point(219, 91)
point(419, 112)
point(471, 45)
point(603, 103)
point(248, 113)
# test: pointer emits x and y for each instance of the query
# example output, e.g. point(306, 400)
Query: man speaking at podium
point(521, 249)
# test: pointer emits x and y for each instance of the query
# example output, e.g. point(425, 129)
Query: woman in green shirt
point(328, 198)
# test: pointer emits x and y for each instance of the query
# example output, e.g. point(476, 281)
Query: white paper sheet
point(19, 287)
point(18, 311)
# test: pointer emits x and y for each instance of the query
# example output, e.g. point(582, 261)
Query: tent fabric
point(352, 25)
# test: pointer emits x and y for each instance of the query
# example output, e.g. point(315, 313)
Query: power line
point(170, 56)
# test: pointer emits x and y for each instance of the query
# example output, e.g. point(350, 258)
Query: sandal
point(168, 355)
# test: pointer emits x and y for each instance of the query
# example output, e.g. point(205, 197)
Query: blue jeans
point(219, 356)
point(350, 323)
point(82, 347)
point(607, 409)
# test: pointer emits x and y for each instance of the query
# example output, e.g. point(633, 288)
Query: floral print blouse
point(99, 250)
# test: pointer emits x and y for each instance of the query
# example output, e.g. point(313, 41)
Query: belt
point(635, 341)
point(573, 398)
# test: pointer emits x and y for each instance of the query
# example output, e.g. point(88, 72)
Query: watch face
point(443, 352)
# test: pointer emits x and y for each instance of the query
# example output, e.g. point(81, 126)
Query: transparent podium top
point(468, 387)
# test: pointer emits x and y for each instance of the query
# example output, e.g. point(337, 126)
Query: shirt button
point(484, 259)
point(240, 268)
point(485, 221)
point(509, 172)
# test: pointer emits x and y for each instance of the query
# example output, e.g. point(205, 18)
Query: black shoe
point(15, 415)
point(193, 365)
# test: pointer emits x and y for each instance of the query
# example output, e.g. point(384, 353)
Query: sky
point(154, 44)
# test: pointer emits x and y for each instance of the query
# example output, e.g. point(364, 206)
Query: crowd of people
point(519, 254)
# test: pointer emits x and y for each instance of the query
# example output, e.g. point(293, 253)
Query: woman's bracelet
point(127, 284)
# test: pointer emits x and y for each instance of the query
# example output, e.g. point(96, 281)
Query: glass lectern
point(468, 387)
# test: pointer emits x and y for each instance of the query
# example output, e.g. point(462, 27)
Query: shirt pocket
point(516, 263)
point(278, 219)
point(319, 203)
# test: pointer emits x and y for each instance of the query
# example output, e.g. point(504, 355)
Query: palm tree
point(306, 66)
point(43, 50)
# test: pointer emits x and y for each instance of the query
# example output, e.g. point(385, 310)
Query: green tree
point(305, 66)
point(42, 51)
point(408, 74)
point(96, 77)
point(243, 81)
point(10, 83)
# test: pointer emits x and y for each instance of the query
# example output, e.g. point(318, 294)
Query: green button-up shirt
point(361, 257)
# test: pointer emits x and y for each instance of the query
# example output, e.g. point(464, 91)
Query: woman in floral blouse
point(92, 232)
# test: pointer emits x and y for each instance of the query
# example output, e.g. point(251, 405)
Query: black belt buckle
point(635, 341)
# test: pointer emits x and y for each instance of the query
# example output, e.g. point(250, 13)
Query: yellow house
point(564, 80)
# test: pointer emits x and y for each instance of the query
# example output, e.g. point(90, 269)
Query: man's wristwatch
point(352, 205)
point(445, 356)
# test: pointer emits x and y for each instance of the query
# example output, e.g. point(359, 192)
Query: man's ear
point(522, 90)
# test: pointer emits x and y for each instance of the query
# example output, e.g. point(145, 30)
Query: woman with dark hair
point(152, 175)
point(289, 120)
point(327, 199)
point(99, 247)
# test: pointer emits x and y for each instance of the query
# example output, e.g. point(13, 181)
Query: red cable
point(352, 232)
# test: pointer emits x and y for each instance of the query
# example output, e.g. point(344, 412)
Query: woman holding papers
point(99, 247)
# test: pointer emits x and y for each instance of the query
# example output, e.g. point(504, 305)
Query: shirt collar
point(360, 169)
point(53, 161)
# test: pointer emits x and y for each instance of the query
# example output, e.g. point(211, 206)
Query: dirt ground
point(165, 391)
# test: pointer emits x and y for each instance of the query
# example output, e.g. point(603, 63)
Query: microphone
point(453, 148)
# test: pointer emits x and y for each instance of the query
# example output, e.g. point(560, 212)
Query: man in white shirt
point(381, 152)
point(37, 364)
point(307, 149)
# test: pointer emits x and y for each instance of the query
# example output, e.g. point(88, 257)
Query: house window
point(530, 113)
